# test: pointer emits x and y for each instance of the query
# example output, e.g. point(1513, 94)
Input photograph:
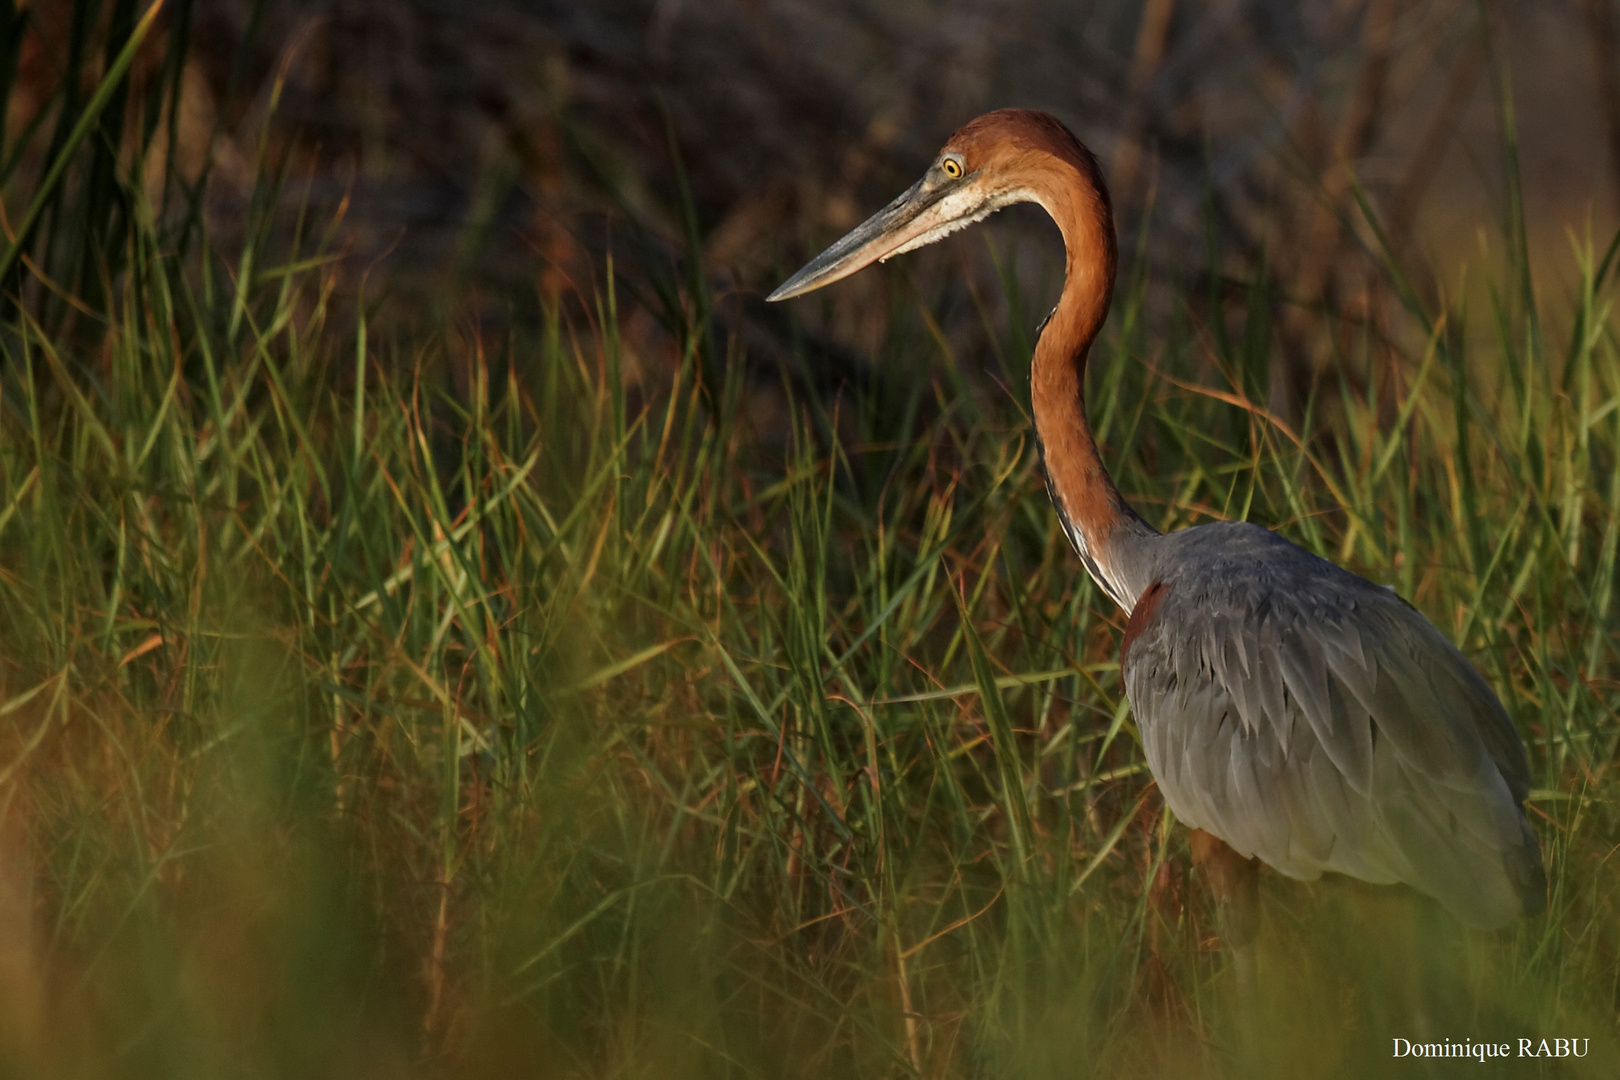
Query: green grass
point(420, 703)
point(522, 722)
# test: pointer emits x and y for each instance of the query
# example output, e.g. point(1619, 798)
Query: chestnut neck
point(1111, 539)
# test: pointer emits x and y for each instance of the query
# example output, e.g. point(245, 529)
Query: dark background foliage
point(450, 624)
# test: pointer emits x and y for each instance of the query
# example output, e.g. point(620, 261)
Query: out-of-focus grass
point(357, 721)
point(449, 704)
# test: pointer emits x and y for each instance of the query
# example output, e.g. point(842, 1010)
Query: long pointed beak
point(885, 233)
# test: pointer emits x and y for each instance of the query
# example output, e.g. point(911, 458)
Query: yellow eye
point(952, 168)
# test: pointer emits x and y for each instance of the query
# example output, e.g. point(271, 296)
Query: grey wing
point(1320, 723)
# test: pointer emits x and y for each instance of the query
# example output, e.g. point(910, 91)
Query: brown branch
point(1431, 149)
point(1602, 32)
point(1322, 238)
point(1357, 130)
point(1150, 39)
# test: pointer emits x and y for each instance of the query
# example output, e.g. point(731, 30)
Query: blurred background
point(451, 625)
point(498, 151)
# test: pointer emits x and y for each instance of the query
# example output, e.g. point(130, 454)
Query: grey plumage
point(1289, 709)
point(1312, 718)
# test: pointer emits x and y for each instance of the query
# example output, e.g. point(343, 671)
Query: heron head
point(1004, 157)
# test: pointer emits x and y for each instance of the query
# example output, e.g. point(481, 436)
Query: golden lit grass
point(359, 724)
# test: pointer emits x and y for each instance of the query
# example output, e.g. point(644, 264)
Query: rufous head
point(1001, 158)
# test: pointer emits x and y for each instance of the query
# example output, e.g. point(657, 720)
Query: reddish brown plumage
point(1141, 613)
point(1034, 152)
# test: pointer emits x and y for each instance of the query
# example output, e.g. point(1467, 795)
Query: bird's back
point(1312, 718)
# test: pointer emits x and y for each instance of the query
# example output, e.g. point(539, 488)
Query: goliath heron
point(1290, 711)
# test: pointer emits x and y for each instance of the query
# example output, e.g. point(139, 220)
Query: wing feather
point(1311, 718)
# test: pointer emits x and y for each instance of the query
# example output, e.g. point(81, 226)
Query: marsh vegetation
point(440, 693)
